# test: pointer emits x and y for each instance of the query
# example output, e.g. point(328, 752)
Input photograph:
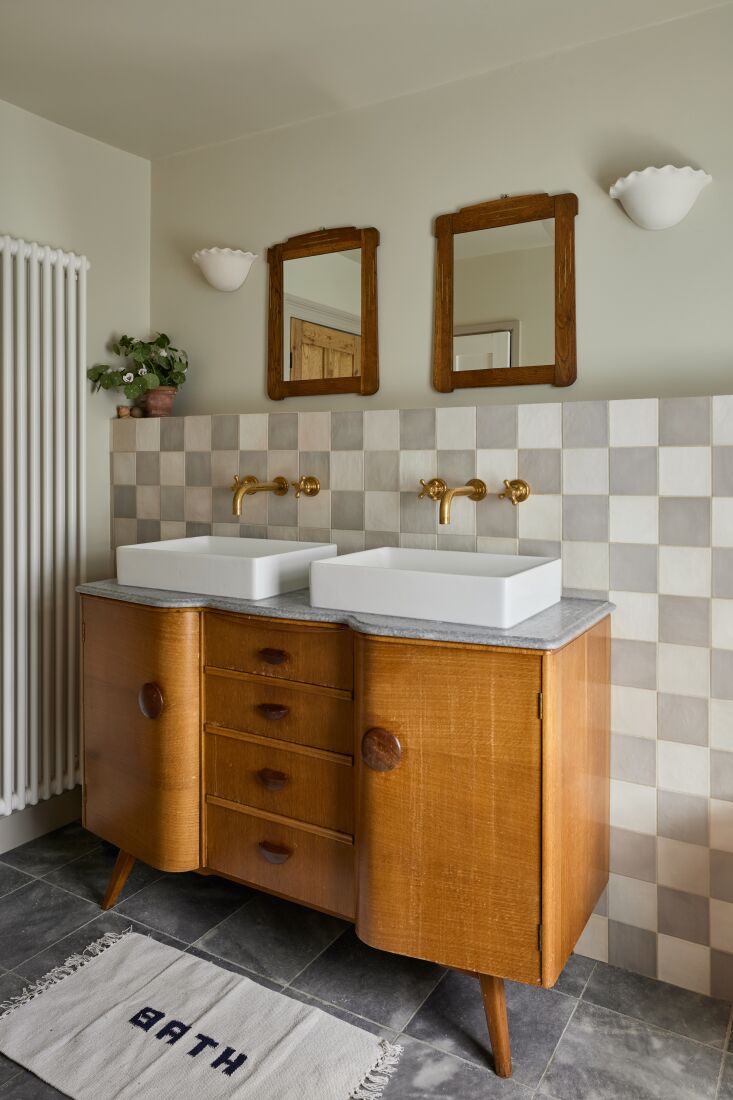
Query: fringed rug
point(132, 1019)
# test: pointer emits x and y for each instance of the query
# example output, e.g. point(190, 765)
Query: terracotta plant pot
point(160, 402)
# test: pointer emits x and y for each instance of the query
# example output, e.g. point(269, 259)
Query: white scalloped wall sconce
point(658, 198)
point(224, 268)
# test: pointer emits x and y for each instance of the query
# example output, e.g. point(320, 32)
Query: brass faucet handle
point(307, 486)
point(516, 491)
point(239, 482)
point(435, 488)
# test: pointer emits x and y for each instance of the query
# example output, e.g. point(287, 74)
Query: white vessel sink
point(246, 569)
point(496, 590)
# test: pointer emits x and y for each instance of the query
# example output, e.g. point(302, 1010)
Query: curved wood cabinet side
point(142, 775)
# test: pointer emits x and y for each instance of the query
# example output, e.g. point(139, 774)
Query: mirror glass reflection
point(322, 316)
point(504, 297)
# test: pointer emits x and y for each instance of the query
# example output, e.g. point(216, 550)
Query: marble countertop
point(549, 630)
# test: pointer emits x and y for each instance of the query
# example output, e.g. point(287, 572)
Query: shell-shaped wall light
point(224, 268)
point(658, 198)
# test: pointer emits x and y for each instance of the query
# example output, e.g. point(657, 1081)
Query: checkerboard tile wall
point(637, 496)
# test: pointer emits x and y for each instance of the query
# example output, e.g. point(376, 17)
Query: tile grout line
point(554, 1052)
point(289, 984)
point(427, 996)
point(724, 1053)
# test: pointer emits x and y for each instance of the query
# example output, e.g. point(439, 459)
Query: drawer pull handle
point(150, 700)
point(273, 711)
point(380, 750)
point(272, 780)
point(273, 656)
point(274, 853)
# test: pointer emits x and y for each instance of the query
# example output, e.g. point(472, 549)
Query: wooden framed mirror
point(322, 327)
point(505, 294)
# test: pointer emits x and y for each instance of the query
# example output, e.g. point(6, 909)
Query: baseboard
point(35, 821)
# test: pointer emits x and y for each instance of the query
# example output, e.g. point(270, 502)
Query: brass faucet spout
point(438, 490)
point(247, 486)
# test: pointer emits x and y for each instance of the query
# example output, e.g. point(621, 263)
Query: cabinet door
point(141, 743)
point(448, 839)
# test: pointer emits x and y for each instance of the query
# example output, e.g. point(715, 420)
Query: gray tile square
point(148, 530)
point(634, 664)
point(171, 433)
point(171, 502)
point(633, 471)
point(633, 567)
point(659, 1004)
point(634, 759)
point(465, 544)
point(540, 468)
point(225, 432)
point(585, 424)
point(124, 501)
point(721, 976)
point(721, 674)
point(577, 971)
point(723, 471)
point(273, 937)
point(48, 853)
point(196, 528)
point(684, 521)
point(684, 916)
point(317, 464)
point(425, 1073)
point(253, 464)
point(585, 518)
point(684, 620)
point(601, 908)
point(453, 1020)
point(347, 510)
point(314, 534)
point(605, 1056)
point(374, 539)
point(383, 987)
point(721, 775)
point(11, 879)
point(282, 511)
point(147, 470)
point(632, 948)
point(347, 431)
point(417, 517)
point(254, 531)
point(496, 427)
point(542, 548)
point(495, 520)
point(382, 471)
point(198, 468)
point(633, 855)
point(682, 717)
point(721, 875)
point(456, 467)
point(417, 429)
point(282, 432)
point(221, 507)
point(684, 420)
point(35, 916)
point(88, 877)
point(723, 573)
point(682, 817)
point(185, 905)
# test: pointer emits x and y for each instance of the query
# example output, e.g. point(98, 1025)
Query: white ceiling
point(159, 76)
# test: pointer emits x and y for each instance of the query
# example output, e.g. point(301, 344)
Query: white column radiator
point(42, 521)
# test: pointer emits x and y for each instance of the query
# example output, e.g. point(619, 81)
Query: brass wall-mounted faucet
point(516, 491)
point(438, 490)
point(248, 486)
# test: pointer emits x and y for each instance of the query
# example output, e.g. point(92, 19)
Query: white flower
point(129, 377)
point(143, 370)
point(163, 353)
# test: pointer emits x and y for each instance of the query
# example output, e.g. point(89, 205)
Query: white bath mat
point(133, 1019)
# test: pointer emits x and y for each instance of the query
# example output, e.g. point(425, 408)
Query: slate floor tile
point(572, 981)
point(453, 1019)
point(657, 1003)
point(726, 1081)
point(273, 937)
point(47, 853)
point(25, 1086)
point(341, 1014)
point(605, 1056)
point(88, 876)
point(10, 879)
point(234, 968)
point(35, 916)
point(185, 906)
point(74, 944)
point(425, 1073)
point(8, 1070)
point(382, 987)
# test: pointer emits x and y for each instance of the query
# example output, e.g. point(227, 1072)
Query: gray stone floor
point(601, 1034)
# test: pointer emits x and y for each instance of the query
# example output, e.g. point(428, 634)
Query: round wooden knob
point(380, 750)
point(272, 780)
point(274, 853)
point(150, 700)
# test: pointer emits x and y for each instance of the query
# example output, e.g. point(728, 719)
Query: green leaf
point(150, 381)
point(162, 340)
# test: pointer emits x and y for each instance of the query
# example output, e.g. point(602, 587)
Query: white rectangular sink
point(495, 590)
point(214, 565)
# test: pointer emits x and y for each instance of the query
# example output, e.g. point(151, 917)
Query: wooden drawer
point(279, 710)
point(304, 785)
point(311, 654)
point(318, 869)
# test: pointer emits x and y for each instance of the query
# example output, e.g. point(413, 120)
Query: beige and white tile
point(721, 724)
point(635, 617)
point(632, 901)
point(456, 428)
point(495, 467)
point(722, 624)
point(685, 471)
point(722, 521)
point(721, 825)
point(634, 711)
point(585, 470)
point(684, 571)
point(593, 942)
point(723, 420)
point(634, 519)
point(381, 430)
point(417, 466)
point(682, 963)
point(540, 425)
point(683, 768)
point(347, 469)
point(253, 432)
point(634, 423)
point(721, 925)
point(540, 517)
point(684, 669)
point(585, 565)
point(633, 807)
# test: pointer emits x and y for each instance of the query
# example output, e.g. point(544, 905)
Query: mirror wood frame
point(490, 215)
point(320, 243)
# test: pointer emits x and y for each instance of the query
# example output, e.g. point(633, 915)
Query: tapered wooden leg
point(492, 990)
point(123, 865)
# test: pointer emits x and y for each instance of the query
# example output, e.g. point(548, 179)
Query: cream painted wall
point(653, 308)
point(63, 189)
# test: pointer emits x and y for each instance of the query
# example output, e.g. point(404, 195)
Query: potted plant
point(151, 372)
